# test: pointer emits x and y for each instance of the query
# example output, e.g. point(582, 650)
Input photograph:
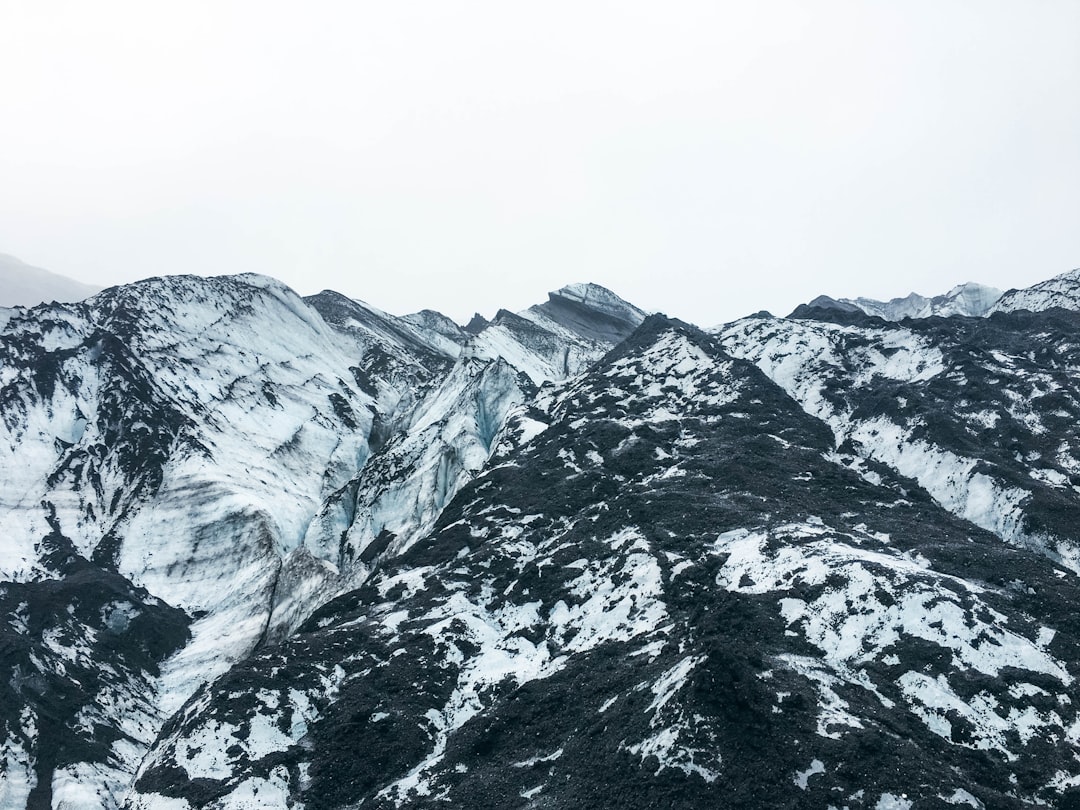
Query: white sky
point(706, 159)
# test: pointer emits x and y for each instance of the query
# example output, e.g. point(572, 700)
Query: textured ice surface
point(523, 556)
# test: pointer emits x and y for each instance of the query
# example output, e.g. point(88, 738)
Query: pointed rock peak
point(337, 308)
point(437, 322)
point(477, 325)
point(657, 330)
point(827, 302)
point(598, 298)
point(591, 311)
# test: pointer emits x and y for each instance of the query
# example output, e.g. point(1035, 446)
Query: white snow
point(17, 772)
point(918, 603)
point(801, 356)
point(620, 601)
point(888, 801)
point(1061, 291)
point(973, 300)
point(531, 761)
point(961, 796)
point(802, 778)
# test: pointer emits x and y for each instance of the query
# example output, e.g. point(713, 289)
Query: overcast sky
point(706, 159)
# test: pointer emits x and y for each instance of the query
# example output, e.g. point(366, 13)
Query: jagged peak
point(588, 310)
point(433, 319)
point(477, 324)
point(969, 299)
point(596, 297)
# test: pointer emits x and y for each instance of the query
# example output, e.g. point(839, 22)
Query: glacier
point(262, 550)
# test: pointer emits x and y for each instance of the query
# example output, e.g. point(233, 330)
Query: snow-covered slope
point(22, 285)
point(559, 338)
point(1061, 291)
point(664, 590)
point(179, 433)
point(983, 415)
point(265, 551)
point(970, 299)
point(205, 442)
point(450, 433)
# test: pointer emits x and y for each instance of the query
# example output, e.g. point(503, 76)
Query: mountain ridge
point(393, 559)
point(969, 299)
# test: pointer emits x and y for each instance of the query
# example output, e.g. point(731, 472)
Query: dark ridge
point(843, 317)
point(477, 324)
point(588, 321)
point(337, 310)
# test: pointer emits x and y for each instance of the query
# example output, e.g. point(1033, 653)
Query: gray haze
point(706, 159)
point(22, 285)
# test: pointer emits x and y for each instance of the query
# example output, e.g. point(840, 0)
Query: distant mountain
point(266, 551)
point(970, 299)
point(22, 285)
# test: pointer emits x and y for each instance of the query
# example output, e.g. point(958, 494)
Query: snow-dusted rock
point(1060, 291)
point(207, 440)
point(970, 299)
point(662, 580)
point(979, 416)
point(265, 551)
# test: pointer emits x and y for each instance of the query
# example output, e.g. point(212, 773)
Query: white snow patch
point(961, 796)
point(802, 778)
point(528, 763)
point(620, 601)
point(890, 802)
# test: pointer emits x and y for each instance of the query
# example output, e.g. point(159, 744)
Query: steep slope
point(588, 311)
point(664, 582)
point(203, 446)
point(22, 285)
point(982, 413)
point(80, 659)
point(562, 336)
point(398, 496)
point(970, 299)
point(265, 551)
point(1060, 291)
point(177, 435)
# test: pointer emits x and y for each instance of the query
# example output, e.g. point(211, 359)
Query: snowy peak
point(1061, 291)
point(591, 311)
point(970, 299)
point(574, 328)
point(422, 334)
point(22, 285)
point(432, 321)
point(827, 302)
point(672, 573)
point(266, 551)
